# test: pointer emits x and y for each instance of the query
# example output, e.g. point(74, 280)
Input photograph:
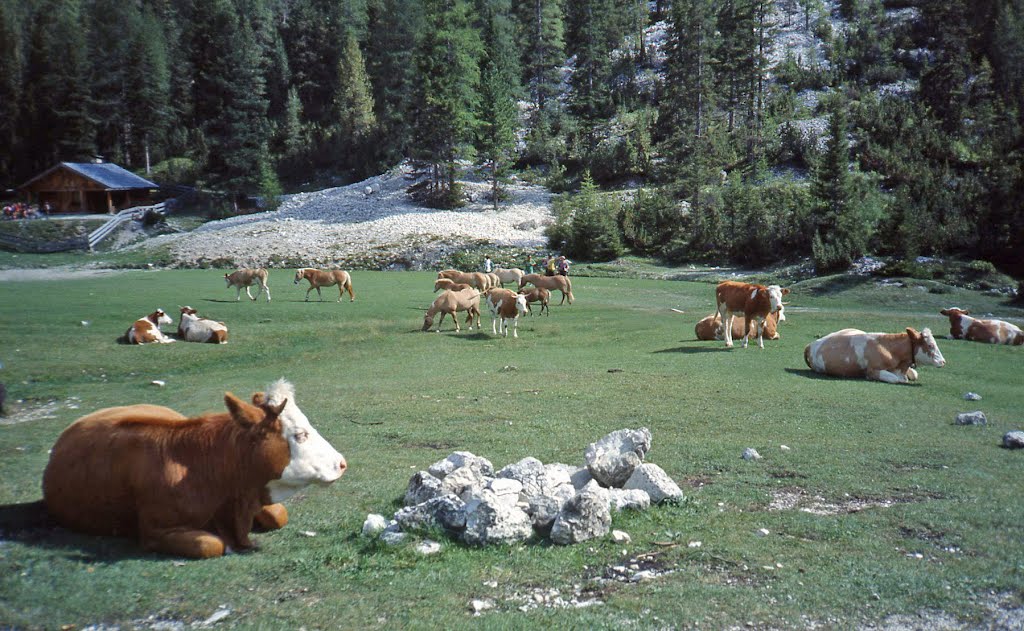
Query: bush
point(585, 227)
point(650, 222)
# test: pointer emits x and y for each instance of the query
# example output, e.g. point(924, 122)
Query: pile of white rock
point(463, 496)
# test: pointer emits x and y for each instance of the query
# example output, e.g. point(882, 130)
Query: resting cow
point(192, 328)
point(755, 302)
point(246, 277)
point(146, 330)
point(888, 357)
point(710, 328)
point(191, 487)
point(964, 327)
point(326, 278)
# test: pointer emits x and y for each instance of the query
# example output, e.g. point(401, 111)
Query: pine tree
point(445, 97)
point(111, 24)
point(148, 90)
point(591, 37)
point(499, 82)
point(392, 29)
point(541, 36)
point(354, 118)
point(12, 60)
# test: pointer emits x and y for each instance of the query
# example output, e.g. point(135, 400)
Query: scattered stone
point(393, 537)
point(217, 616)
point(489, 521)
point(446, 511)
point(972, 396)
point(619, 536)
point(508, 369)
point(428, 547)
point(478, 606)
point(613, 459)
point(784, 448)
point(694, 544)
point(1013, 440)
point(422, 487)
point(86, 322)
point(763, 532)
point(653, 479)
point(307, 533)
point(971, 418)
point(158, 382)
point(585, 516)
point(374, 525)
point(460, 459)
point(631, 499)
point(751, 454)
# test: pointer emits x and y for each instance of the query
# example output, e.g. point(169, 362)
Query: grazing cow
point(451, 302)
point(755, 302)
point(888, 357)
point(192, 328)
point(710, 328)
point(508, 275)
point(551, 283)
point(147, 329)
point(474, 279)
point(326, 278)
point(447, 283)
point(505, 305)
point(964, 327)
point(245, 277)
point(190, 487)
point(537, 294)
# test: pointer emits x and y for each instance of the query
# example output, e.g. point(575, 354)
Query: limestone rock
point(653, 479)
point(1013, 440)
point(488, 521)
point(751, 454)
point(543, 509)
point(584, 517)
point(422, 487)
point(507, 491)
point(459, 459)
point(428, 547)
point(632, 499)
point(971, 418)
point(613, 459)
point(446, 511)
point(530, 472)
point(466, 482)
point(374, 525)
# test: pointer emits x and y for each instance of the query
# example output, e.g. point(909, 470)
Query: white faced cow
point(888, 357)
point(147, 329)
point(964, 327)
point(755, 302)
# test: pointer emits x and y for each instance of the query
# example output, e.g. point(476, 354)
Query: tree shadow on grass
point(29, 524)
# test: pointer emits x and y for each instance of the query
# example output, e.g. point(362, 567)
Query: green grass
point(394, 400)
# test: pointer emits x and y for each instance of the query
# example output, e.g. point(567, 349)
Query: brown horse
point(561, 283)
point(474, 279)
point(450, 303)
point(325, 278)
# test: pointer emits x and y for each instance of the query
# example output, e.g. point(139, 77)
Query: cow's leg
point(887, 376)
point(248, 293)
point(911, 374)
point(515, 327)
point(185, 542)
point(727, 318)
point(271, 517)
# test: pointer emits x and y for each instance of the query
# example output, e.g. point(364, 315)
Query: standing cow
point(755, 302)
point(244, 278)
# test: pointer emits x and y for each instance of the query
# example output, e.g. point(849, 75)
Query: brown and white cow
point(146, 330)
point(246, 277)
point(755, 302)
point(888, 357)
point(505, 305)
point(326, 278)
point(710, 328)
point(964, 327)
point(191, 487)
point(192, 328)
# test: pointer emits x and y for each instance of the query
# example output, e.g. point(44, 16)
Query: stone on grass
point(428, 547)
point(1013, 440)
point(631, 499)
point(585, 516)
point(972, 396)
point(543, 509)
point(619, 536)
point(529, 472)
point(751, 454)
point(506, 490)
point(578, 476)
point(422, 487)
point(447, 512)
point(466, 482)
point(489, 521)
point(374, 525)
point(393, 536)
point(459, 459)
point(613, 459)
point(971, 418)
point(653, 479)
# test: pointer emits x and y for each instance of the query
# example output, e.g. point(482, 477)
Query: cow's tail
point(807, 356)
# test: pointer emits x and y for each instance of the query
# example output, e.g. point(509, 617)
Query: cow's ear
point(912, 332)
point(243, 413)
point(944, 312)
point(785, 291)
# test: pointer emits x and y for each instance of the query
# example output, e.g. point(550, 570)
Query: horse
point(449, 303)
point(561, 283)
point(325, 278)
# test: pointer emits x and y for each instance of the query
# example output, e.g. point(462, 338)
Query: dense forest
point(744, 130)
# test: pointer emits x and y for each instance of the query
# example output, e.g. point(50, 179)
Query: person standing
point(488, 266)
point(528, 264)
point(550, 266)
point(563, 266)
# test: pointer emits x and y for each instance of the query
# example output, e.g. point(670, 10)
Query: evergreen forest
point(748, 131)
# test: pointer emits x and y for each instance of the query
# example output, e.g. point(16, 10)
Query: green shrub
point(585, 227)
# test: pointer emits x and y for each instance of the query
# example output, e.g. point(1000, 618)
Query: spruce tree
point(12, 60)
point(590, 38)
point(499, 116)
point(541, 35)
point(148, 90)
point(392, 31)
point(354, 118)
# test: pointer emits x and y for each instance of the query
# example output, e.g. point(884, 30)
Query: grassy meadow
point(911, 513)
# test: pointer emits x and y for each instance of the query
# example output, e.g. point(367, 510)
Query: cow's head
point(313, 459)
point(775, 294)
point(262, 421)
point(187, 310)
point(954, 312)
point(521, 305)
point(158, 317)
point(227, 279)
point(926, 351)
point(299, 275)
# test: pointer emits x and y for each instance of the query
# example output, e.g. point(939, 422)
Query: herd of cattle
point(196, 487)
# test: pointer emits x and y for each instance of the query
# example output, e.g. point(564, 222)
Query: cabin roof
point(106, 174)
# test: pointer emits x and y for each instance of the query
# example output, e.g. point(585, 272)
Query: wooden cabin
point(88, 188)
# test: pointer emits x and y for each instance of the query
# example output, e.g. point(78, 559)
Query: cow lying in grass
point(755, 302)
point(190, 487)
point(505, 305)
point(326, 278)
point(192, 328)
point(450, 303)
point(888, 357)
point(710, 328)
point(537, 294)
point(245, 277)
point(964, 327)
point(146, 330)
point(551, 283)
